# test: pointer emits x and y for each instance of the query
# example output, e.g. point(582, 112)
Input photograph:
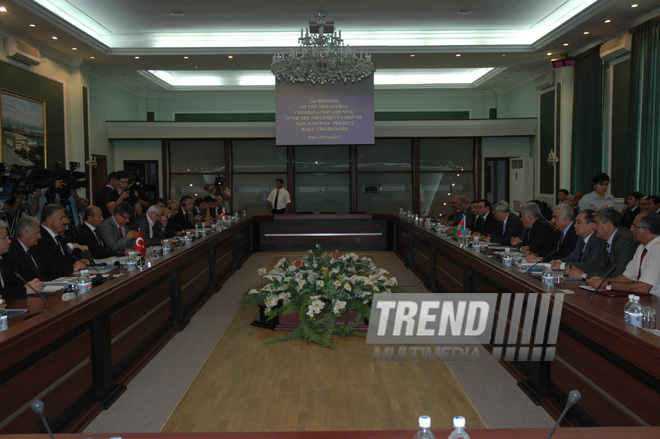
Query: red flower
point(299, 263)
point(335, 254)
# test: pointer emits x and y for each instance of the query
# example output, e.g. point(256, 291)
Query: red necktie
point(121, 232)
point(639, 272)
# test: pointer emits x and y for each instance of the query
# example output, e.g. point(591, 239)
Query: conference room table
point(79, 355)
point(494, 433)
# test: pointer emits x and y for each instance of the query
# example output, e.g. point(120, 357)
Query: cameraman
point(219, 188)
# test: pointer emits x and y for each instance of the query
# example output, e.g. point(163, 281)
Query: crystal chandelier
point(322, 57)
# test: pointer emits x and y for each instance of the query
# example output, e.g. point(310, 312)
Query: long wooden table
point(79, 355)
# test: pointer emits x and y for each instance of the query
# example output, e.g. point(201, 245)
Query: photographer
point(219, 188)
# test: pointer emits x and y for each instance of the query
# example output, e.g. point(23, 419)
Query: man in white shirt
point(641, 275)
point(278, 199)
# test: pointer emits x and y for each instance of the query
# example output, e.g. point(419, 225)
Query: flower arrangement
point(322, 288)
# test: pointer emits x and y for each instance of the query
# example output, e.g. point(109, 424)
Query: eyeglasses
point(126, 217)
point(638, 227)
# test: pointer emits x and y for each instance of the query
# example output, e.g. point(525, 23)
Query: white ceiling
point(506, 40)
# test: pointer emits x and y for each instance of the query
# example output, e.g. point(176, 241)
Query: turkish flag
point(139, 244)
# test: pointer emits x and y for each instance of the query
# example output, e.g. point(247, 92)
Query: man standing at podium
point(279, 199)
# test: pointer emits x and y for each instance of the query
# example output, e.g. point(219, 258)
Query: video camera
point(23, 180)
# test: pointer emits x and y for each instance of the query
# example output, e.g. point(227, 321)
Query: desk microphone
point(37, 406)
point(538, 262)
point(573, 397)
point(601, 283)
point(98, 279)
point(40, 295)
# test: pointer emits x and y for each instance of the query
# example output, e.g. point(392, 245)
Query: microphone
point(573, 397)
point(40, 295)
point(538, 262)
point(37, 406)
point(98, 279)
point(601, 283)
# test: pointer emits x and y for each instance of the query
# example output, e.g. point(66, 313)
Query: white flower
point(300, 286)
point(391, 281)
point(320, 284)
point(271, 300)
point(262, 272)
point(298, 277)
point(253, 291)
point(339, 305)
point(337, 283)
point(347, 286)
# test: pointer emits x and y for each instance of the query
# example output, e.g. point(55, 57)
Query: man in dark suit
point(565, 237)
point(507, 226)
point(587, 247)
point(108, 192)
point(50, 249)
point(484, 223)
point(152, 228)
point(618, 250)
point(21, 258)
point(184, 218)
point(538, 237)
point(461, 206)
point(7, 289)
point(114, 231)
point(88, 234)
point(631, 209)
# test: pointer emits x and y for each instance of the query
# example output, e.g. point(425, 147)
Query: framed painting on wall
point(23, 134)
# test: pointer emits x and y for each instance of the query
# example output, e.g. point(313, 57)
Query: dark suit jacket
point(17, 260)
point(11, 291)
point(54, 264)
point(458, 216)
point(629, 216)
point(622, 251)
point(102, 198)
point(141, 223)
point(514, 227)
point(486, 227)
point(86, 237)
point(589, 255)
point(180, 221)
point(567, 245)
point(540, 238)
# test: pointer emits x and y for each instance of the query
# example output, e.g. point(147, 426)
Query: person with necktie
point(641, 275)
point(587, 246)
point(565, 237)
point(114, 231)
point(279, 199)
point(88, 234)
point(22, 260)
point(618, 249)
point(50, 249)
point(8, 288)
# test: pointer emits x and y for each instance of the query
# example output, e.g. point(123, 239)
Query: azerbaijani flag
point(460, 229)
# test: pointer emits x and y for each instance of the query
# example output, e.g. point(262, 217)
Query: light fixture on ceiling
point(177, 13)
point(634, 5)
point(33, 25)
point(608, 21)
point(586, 32)
point(54, 37)
point(322, 57)
point(3, 9)
point(552, 158)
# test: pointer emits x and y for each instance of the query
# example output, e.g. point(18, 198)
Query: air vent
point(23, 52)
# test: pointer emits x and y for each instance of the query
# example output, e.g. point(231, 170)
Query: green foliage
point(322, 288)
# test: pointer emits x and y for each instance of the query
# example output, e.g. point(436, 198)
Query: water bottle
point(4, 325)
point(84, 282)
point(636, 313)
point(424, 428)
point(459, 429)
point(548, 277)
point(626, 309)
point(166, 247)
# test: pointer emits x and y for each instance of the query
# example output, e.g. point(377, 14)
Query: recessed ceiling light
point(586, 32)
point(412, 55)
point(137, 57)
point(608, 21)
point(186, 57)
point(3, 9)
point(464, 12)
point(565, 44)
point(54, 37)
point(504, 54)
point(549, 53)
point(33, 25)
point(177, 13)
point(92, 57)
point(230, 56)
point(634, 5)
point(458, 54)
point(74, 48)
